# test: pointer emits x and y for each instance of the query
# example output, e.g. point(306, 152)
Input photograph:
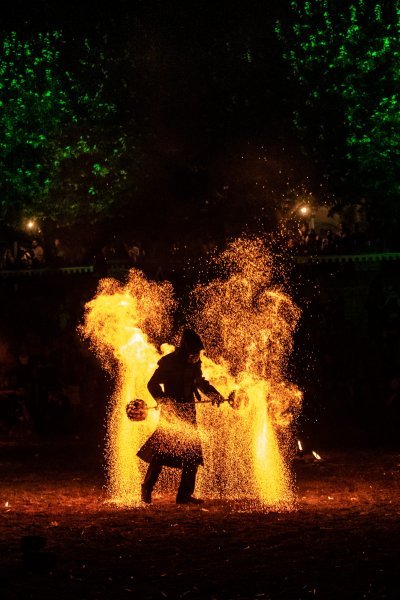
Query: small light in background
point(304, 210)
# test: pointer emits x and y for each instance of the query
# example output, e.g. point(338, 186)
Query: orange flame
point(120, 321)
point(247, 324)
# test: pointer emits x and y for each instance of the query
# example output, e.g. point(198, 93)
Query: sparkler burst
point(247, 325)
point(124, 324)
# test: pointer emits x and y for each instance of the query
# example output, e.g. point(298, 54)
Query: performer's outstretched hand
point(217, 400)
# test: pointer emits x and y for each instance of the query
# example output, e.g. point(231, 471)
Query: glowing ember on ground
point(247, 325)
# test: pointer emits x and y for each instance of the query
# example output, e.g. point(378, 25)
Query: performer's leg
point(150, 479)
point(188, 482)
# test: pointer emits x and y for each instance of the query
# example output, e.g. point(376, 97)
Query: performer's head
point(191, 345)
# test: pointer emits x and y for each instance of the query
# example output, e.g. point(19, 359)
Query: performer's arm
point(209, 390)
point(154, 385)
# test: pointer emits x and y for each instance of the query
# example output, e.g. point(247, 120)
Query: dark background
point(204, 91)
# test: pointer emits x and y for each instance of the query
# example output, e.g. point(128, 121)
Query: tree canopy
point(56, 162)
point(345, 57)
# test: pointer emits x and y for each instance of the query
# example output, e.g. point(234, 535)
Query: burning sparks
point(247, 325)
point(120, 321)
point(316, 455)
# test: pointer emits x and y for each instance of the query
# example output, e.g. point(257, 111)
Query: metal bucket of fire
point(237, 400)
point(137, 410)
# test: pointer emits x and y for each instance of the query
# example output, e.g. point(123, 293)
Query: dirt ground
point(342, 541)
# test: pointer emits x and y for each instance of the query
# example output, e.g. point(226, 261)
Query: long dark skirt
point(170, 450)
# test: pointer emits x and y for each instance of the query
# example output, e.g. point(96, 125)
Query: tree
point(61, 151)
point(345, 57)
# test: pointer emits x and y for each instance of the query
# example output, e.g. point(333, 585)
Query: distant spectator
point(24, 258)
point(108, 251)
point(328, 242)
point(303, 232)
point(37, 254)
point(291, 245)
point(7, 258)
point(59, 252)
point(134, 251)
point(312, 242)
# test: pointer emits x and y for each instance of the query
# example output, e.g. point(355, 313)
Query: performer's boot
point(152, 474)
point(145, 495)
point(187, 485)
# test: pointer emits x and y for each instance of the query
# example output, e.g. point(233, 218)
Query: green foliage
point(56, 161)
point(90, 174)
point(346, 58)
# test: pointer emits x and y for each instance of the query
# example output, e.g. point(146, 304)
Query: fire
point(124, 323)
point(247, 325)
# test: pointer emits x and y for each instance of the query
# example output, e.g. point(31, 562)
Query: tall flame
point(124, 323)
point(247, 325)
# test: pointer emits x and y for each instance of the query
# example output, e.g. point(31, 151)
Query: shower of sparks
point(124, 324)
point(247, 325)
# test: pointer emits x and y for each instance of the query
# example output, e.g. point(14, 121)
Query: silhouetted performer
point(180, 375)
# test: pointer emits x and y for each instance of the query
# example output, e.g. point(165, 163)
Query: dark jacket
point(181, 382)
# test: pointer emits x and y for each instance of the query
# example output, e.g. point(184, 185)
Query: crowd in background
point(345, 240)
point(33, 253)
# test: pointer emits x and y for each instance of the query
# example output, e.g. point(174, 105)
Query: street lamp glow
point(30, 225)
point(304, 210)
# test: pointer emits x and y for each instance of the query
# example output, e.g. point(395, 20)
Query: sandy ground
point(342, 541)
